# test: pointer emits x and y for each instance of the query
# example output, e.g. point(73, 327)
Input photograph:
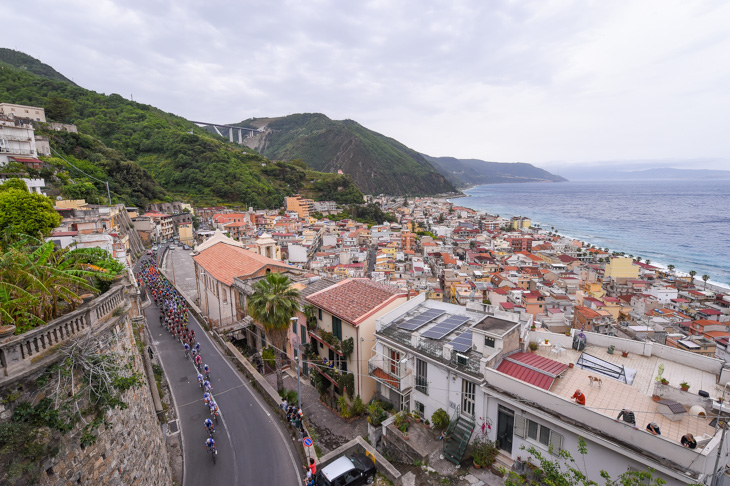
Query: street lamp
point(295, 320)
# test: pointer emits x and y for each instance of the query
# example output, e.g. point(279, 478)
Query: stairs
point(457, 437)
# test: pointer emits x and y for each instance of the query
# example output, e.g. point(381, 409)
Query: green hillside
point(148, 155)
point(377, 164)
point(470, 172)
point(22, 61)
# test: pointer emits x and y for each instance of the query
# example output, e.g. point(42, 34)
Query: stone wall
point(129, 451)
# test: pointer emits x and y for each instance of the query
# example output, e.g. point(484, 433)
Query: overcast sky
point(548, 82)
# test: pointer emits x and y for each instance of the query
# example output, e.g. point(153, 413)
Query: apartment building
point(303, 207)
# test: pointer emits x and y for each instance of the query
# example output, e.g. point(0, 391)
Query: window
point(489, 342)
point(303, 330)
point(420, 409)
point(538, 433)
point(421, 376)
point(337, 327)
point(319, 311)
point(394, 362)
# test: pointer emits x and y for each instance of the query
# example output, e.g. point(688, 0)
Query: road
point(253, 447)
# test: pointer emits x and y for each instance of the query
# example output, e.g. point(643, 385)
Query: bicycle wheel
point(215, 453)
point(216, 418)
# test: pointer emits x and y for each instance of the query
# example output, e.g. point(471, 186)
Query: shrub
point(269, 356)
point(376, 414)
point(440, 419)
point(533, 346)
point(358, 408)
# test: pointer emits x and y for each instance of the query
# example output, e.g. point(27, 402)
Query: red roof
point(26, 160)
point(353, 300)
point(225, 262)
point(532, 368)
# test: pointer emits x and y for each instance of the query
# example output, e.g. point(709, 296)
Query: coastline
point(597, 239)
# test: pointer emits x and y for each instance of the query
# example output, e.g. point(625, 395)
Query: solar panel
point(420, 320)
point(443, 328)
point(462, 342)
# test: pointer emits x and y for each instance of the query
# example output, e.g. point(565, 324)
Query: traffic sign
point(307, 441)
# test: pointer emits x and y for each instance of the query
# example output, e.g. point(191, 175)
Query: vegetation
point(440, 419)
point(136, 147)
point(273, 303)
point(484, 451)
point(25, 213)
point(377, 164)
point(369, 214)
point(564, 471)
point(376, 414)
point(39, 282)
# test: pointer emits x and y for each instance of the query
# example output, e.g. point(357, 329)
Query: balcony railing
point(377, 369)
point(422, 384)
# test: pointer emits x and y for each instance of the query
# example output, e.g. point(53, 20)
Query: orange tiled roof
point(225, 262)
point(353, 300)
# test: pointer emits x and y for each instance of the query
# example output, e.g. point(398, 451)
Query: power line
point(87, 175)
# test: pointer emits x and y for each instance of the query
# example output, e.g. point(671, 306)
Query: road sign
point(307, 441)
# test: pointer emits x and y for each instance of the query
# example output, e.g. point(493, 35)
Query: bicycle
point(215, 414)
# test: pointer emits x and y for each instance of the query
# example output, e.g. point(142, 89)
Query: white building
point(480, 374)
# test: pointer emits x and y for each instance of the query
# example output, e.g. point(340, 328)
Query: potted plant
point(533, 346)
point(532, 328)
point(427, 424)
point(624, 353)
point(665, 381)
point(611, 349)
point(483, 452)
point(417, 418)
point(440, 419)
point(684, 386)
point(547, 341)
point(404, 429)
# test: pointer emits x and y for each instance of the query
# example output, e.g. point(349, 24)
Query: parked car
point(347, 471)
point(149, 252)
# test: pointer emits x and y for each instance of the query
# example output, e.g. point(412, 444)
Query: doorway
point(468, 394)
point(505, 428)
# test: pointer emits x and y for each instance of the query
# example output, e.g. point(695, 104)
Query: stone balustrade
point(18, 353)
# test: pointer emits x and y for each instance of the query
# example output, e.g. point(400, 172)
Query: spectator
point(283, 404)
point(688, 441)
point(653, 428)
point(628, 417)
point(579, 397)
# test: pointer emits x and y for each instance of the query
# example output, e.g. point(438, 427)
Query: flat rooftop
point(613, 395)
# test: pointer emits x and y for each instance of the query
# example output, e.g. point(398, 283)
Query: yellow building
point(185, 233)
point(621, 267)
point(301, 206)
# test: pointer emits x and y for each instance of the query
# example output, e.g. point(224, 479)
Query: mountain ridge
point(465, 173)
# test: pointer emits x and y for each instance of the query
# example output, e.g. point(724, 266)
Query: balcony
point(401, 382)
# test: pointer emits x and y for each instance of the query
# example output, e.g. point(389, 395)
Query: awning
point(26, 160)
point(532, 368)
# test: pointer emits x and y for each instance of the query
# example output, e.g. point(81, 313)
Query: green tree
point(273, 304)
point(671, 268)
point(59, 109)
point(705, 278)
point(14, 183)
point(22, 212)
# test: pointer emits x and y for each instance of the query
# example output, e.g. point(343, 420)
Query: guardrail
point(18, 353)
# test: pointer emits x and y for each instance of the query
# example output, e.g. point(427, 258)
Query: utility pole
point(295, 320)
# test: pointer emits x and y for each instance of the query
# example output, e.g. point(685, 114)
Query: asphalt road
point(253, 447)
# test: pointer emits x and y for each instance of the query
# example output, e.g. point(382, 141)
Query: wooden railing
point(17, 353)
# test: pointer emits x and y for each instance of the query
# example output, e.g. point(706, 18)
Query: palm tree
point(705, 278)
point(648, 262)
point(273, 304)
point(638, 259)
point(671, 268)
point(692, 274)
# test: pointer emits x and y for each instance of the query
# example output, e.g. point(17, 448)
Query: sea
point(682, 223)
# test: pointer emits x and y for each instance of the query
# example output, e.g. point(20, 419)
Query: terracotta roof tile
point(225, 262)
point(353, 299)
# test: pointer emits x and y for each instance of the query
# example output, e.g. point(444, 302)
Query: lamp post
point(295, 320)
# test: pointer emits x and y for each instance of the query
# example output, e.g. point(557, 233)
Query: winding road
point(253, 446)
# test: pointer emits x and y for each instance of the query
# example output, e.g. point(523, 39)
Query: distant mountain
point(24, 62)
point(378, 164)
point(626, 171)
point(469, 172)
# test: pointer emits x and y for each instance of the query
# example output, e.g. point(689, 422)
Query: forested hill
point(469, 172)
point(148, 155)
point(378, 164)
point(22, 61)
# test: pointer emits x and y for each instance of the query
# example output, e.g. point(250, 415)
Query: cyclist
point(200, 379)
point(213, 410)
point(208, 387)
point(207, 398)
point(209, 427)
point(209, 445)
point(197, 347)
point(207, 371)
point(198, 360)
point(187, 350)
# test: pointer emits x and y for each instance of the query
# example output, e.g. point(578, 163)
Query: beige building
point(17, 142)
point(185, 233)
point(35, 113)
point(346, 311)
point(621, 268)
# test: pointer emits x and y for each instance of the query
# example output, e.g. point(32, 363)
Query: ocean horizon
point(680, 223)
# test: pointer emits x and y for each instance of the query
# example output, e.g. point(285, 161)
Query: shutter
point(556, 440)
point(519, 427)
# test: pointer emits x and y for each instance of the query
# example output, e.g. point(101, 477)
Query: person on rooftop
point(653, 428)
point(688, 441)
point(628, 417)
point(579, 397)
